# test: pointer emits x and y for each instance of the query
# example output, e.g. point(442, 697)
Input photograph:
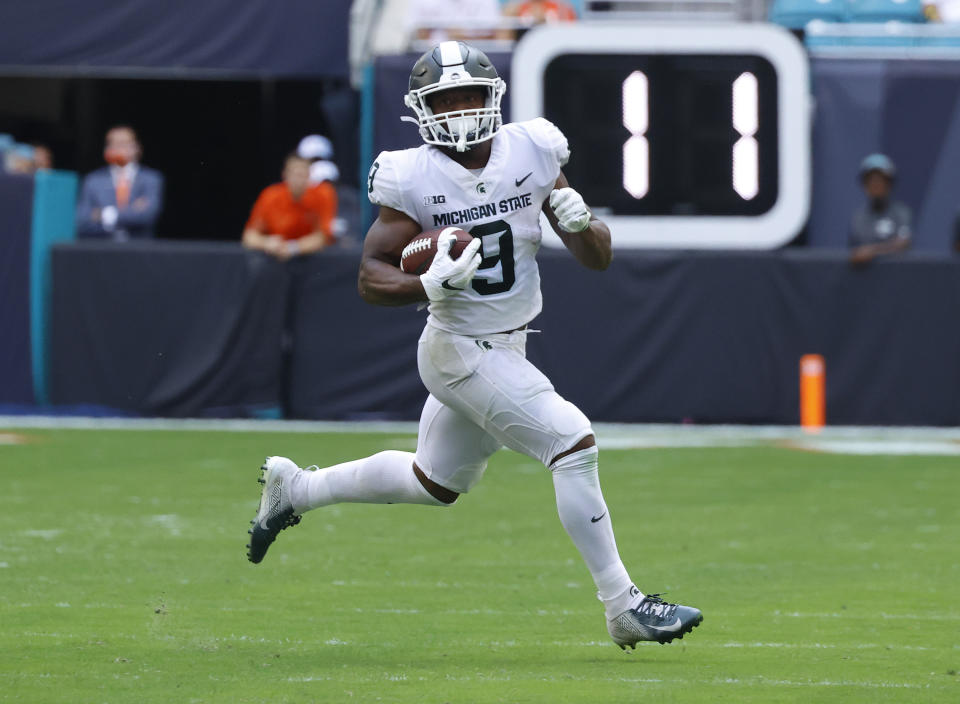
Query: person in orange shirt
point(541, 11)
point(292, 218)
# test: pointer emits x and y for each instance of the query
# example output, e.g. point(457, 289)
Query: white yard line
point(866, 440)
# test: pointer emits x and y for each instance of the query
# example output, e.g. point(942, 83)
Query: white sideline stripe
point(680, 433)
point(840, 440)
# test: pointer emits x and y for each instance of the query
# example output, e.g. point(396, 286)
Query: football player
point(493, 180)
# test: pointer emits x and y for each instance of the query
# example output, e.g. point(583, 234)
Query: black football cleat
point(276, 509)
point(651, 618)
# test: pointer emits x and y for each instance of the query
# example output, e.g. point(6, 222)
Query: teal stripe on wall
point(367, 107)
point(54, 201)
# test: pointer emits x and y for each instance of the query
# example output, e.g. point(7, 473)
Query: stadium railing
point(882, 40)
point(698, 10)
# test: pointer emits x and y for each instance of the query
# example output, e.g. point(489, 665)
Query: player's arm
point(381, 281)
point(384, 283)
point(583, 234)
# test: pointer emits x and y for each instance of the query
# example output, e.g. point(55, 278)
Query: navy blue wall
point(16, 204)
point(907, 109)
point(668, 337)
point(167, 329)
point(253, 37)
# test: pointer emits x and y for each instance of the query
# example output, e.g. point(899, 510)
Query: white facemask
point(458, 131)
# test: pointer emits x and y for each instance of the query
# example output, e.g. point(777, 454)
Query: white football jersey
point(500, 205)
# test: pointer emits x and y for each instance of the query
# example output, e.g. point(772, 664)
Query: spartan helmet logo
point(482, 188)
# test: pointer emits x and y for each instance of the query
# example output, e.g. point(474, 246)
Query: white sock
point(584, 515)
point(384, 478)
point(627, 599)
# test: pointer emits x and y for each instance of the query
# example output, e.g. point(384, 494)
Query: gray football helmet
point(454, 64)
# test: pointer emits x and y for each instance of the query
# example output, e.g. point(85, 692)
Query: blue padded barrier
point(795, 14)
point(54, 196)
point(885, 11)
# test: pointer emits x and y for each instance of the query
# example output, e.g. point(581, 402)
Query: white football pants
point(485, 394)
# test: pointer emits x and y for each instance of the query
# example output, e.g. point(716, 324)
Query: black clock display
point(668, 134)
point(681, 136)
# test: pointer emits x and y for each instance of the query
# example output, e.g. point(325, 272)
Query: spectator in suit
point(882, 225)
point(122, 200)
point(293, 217)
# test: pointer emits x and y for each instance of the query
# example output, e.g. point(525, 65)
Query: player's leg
point(276, 512)
point(631, 615)
point(494, 385)
point(288, 491)
point(451, 456)
point(452, 450)
point(491, 382)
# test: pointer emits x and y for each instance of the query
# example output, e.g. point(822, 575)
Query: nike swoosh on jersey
point(446, 285)
point(519, 181)
point(594, 519)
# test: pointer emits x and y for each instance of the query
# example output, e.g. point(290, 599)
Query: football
point(419, 253)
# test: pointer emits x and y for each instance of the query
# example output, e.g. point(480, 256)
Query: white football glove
point(571, 211)
point(446, 276)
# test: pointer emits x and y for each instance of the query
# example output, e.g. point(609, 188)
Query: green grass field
point(822, 577)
